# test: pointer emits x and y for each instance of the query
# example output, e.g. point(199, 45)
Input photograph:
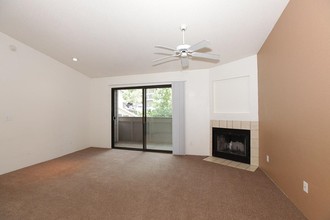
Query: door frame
point(144, 116)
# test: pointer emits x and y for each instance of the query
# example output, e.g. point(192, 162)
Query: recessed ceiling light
point(75, 59)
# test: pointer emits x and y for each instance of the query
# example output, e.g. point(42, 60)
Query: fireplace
point(232, 144)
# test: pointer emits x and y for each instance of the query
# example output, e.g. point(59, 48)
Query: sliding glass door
point(142, 118)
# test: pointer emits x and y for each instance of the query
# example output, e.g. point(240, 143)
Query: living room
point(49, 109)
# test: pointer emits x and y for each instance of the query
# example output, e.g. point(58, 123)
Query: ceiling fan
point(186, 51)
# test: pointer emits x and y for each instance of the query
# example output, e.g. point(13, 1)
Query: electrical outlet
point(267, 158)
point(8, 118)
point(305, 186)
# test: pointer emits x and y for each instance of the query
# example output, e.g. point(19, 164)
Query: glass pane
point(128, 119)
point(159, 119)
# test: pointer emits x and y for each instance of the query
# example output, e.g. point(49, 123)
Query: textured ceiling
point(117, 37)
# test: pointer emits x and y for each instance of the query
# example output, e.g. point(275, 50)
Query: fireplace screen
point(233, 144)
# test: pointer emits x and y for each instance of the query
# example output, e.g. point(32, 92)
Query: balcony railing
point(159, 130)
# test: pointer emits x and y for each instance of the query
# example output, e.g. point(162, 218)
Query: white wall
point(196, 98)
point(234, 90)
point(43, 107)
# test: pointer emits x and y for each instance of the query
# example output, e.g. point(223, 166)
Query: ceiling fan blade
point(166, 54)
point(184, 62)
point(206, 55)
point(199, 45)
point(164, 58)
point(166, 48)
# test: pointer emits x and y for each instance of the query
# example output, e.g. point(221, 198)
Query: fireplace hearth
point(232, 144)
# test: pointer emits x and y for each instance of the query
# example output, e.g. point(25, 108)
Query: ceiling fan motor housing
point(183, 47)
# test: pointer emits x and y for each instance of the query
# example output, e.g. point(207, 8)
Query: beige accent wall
point(294, 105)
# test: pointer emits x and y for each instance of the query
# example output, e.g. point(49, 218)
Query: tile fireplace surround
point(253, 126)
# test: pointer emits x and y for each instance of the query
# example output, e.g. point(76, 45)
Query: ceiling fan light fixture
point(184, 54)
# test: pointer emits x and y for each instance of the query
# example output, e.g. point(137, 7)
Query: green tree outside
point(162, 103)
point(159, 103)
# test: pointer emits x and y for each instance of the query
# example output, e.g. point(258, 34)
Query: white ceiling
point(117, 37)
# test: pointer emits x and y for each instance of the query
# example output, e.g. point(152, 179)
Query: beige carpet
point(121, 184)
